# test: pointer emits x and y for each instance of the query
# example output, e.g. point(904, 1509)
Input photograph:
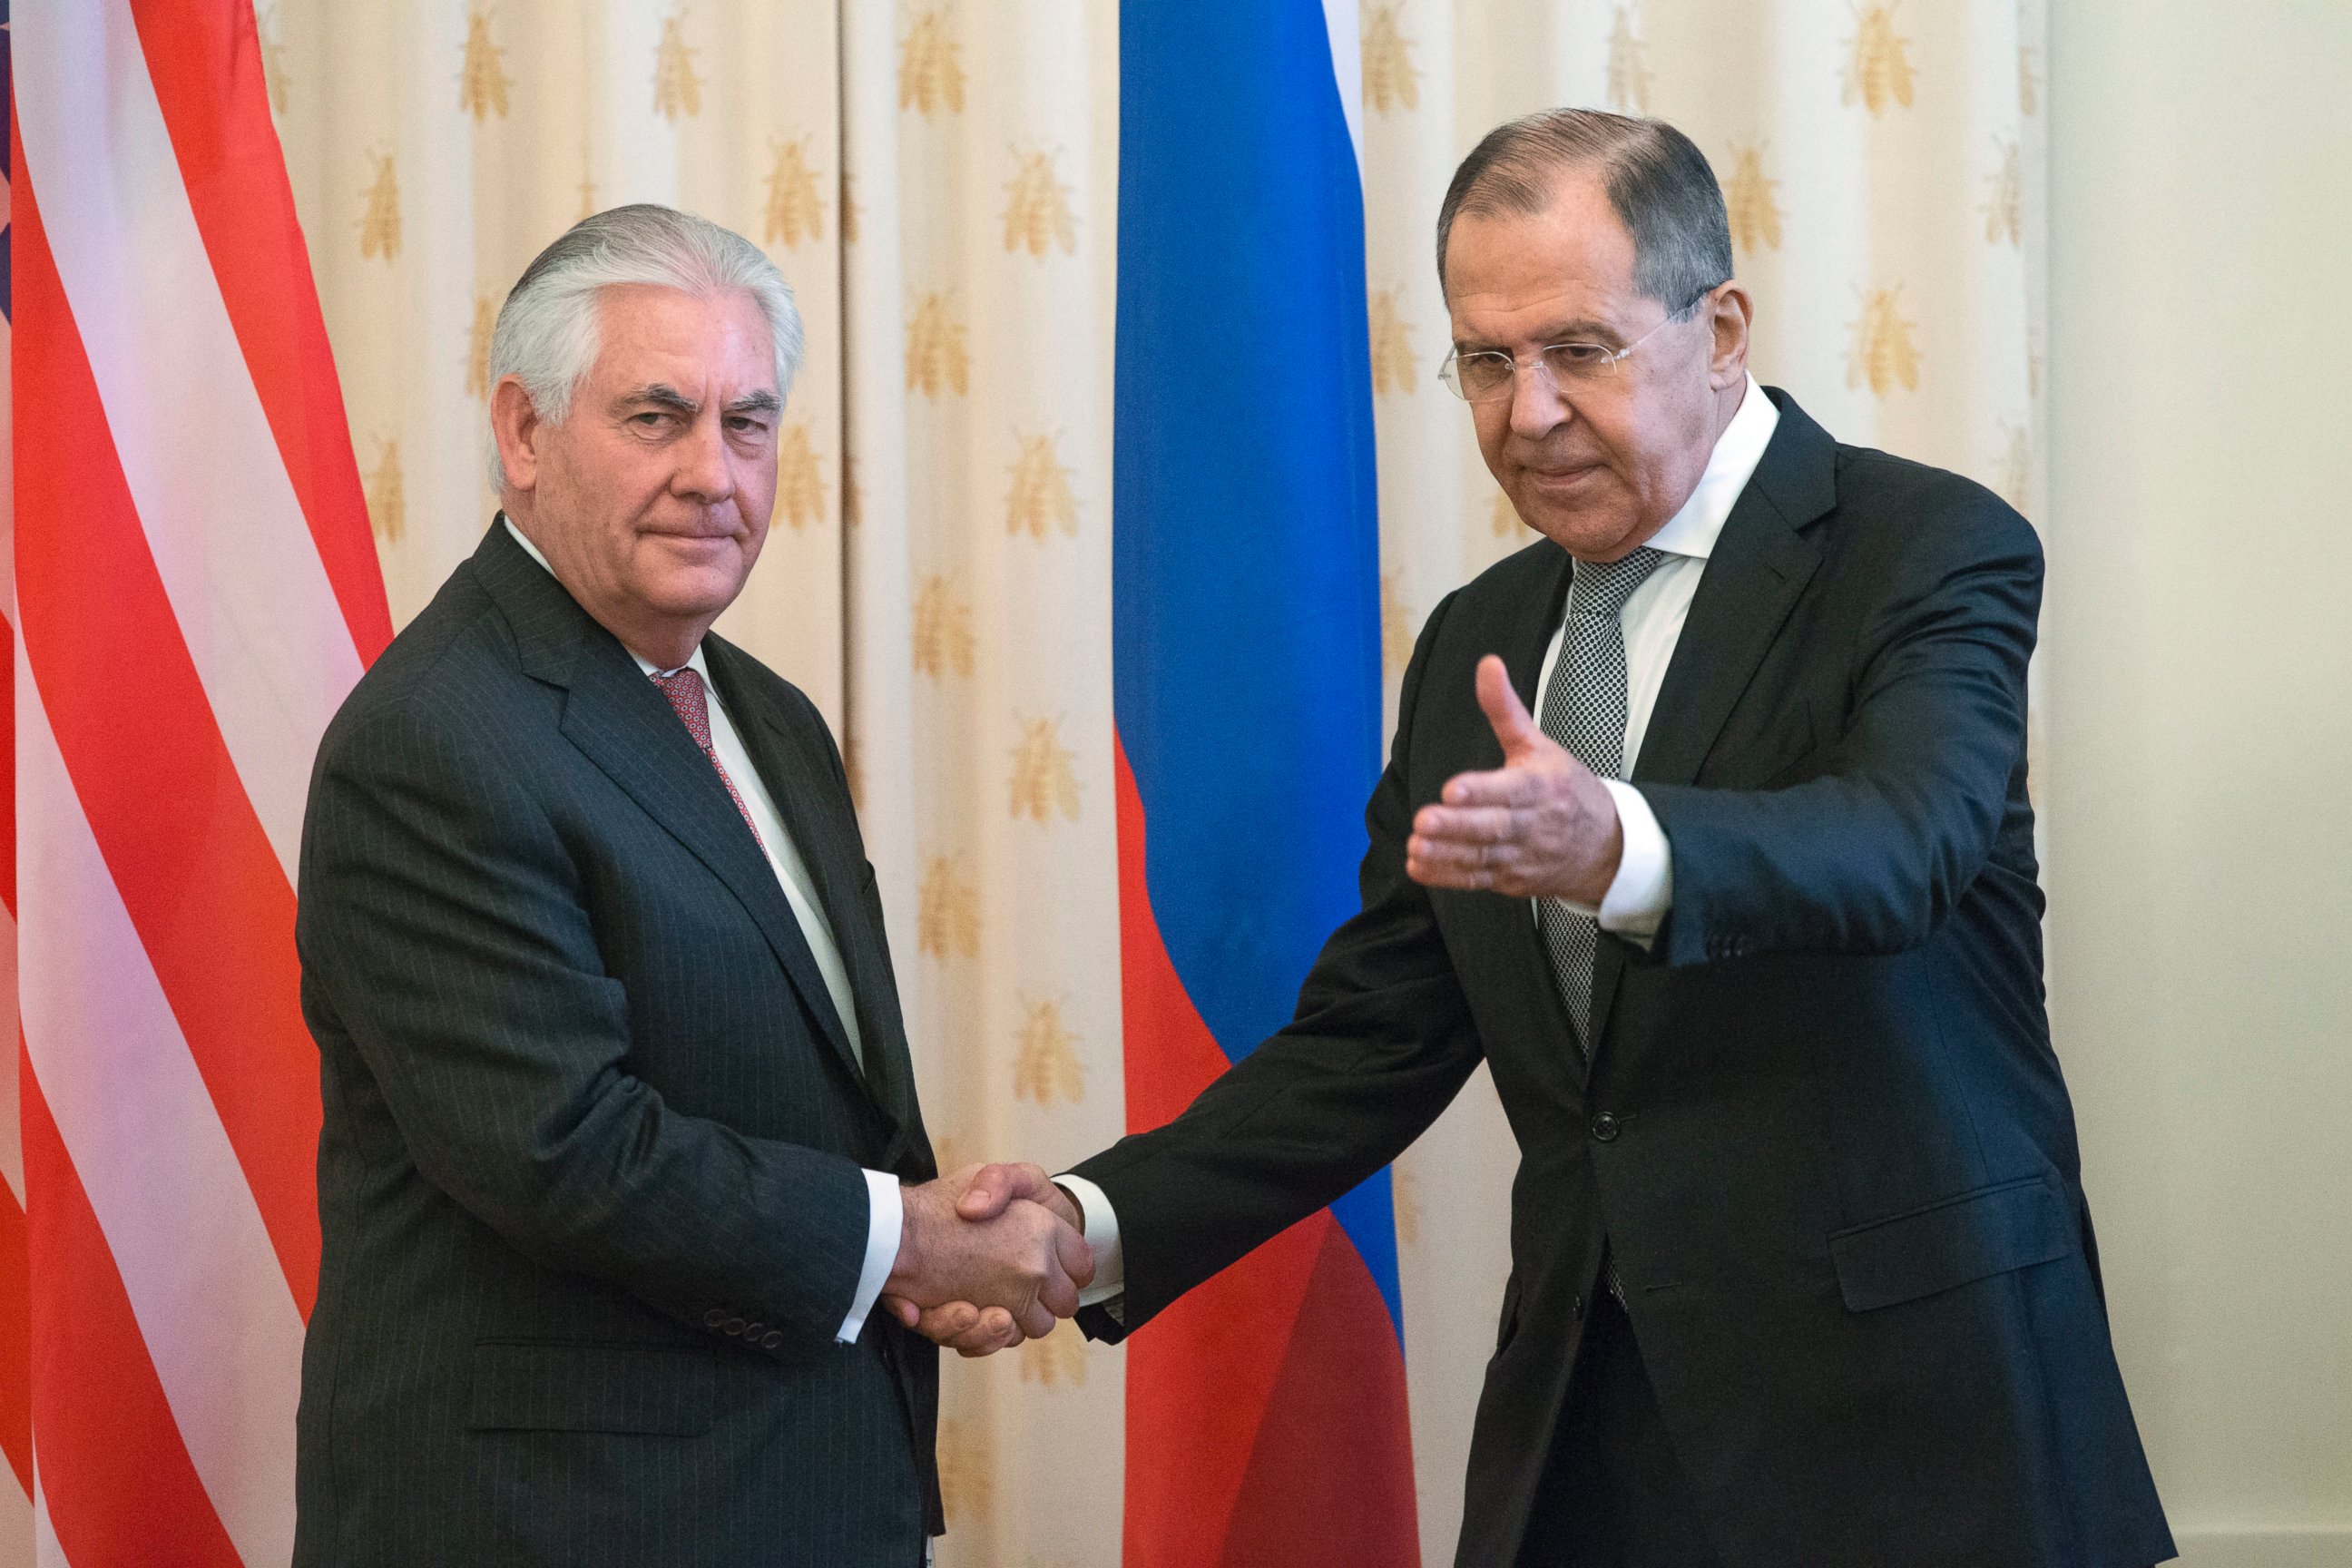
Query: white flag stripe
point(254, 603)
point(203, 1281)
point(11, 1142)
point(1343, 25)
point(16, 1514)
point(47, 1553)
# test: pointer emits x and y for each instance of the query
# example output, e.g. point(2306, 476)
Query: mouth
point(1564, 477)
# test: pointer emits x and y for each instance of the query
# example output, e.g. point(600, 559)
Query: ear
point(1733, 311)
point(518, 429)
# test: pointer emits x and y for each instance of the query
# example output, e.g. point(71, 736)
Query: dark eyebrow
point(663, 395)
point(756, 403)
point(1576, 331)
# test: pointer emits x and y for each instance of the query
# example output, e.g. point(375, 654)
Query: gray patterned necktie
point(1584, 711)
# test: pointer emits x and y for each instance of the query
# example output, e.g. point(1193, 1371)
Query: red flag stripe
point(221, 519)
point(199, 880)
point(205, 63)
point(15, 1366)
point(116, 1480)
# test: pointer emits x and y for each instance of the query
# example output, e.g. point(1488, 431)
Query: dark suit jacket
point(1824, 1130)
point(589, 1181)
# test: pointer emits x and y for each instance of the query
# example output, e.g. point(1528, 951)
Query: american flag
point(195, 592)
point(16, 1350)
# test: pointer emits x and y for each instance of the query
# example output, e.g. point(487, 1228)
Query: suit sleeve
point(444, 927)
point(1872, 852)
point(1381, 1043)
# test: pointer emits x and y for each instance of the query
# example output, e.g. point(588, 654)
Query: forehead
point(648, 332)
point(1512, 274)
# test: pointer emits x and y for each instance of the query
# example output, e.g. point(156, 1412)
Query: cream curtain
point(939, 179)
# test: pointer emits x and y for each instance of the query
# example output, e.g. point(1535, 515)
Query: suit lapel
point(622, 724)
point(800, 780)
point(1759, 567)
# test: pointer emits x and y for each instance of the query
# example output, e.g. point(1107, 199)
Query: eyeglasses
point(1486, 375)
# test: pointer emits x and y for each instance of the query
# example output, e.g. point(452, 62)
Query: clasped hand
point(1541, 826)
point(988, 1255)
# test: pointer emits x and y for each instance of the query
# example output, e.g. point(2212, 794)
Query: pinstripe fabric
point(589, 1177)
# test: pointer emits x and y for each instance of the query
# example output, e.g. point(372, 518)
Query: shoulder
point(1898, 509)
point(1518, 585)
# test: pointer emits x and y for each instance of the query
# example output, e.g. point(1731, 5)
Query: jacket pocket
point(1992, 1230)
point(538, 1387)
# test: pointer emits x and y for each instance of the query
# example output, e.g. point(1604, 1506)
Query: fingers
point(1078, 1259)
point(990, 1187)
point(1504, 710)
point(969, 1330)
point(1037, 1319)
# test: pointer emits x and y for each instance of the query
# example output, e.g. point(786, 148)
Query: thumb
point(992, 1187)
point(1513, 725)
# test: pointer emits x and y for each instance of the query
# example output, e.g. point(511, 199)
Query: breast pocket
point(1974, 1236)
point(538, 1386)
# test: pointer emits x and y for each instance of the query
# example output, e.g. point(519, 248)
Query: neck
point(660, 641)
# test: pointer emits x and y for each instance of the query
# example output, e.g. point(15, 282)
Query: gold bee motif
point(379, 223)
point(387, 508)
point(931, 73)
point(1878, 66)
point(477, 347)
point(2013, 468)
point(1505, 517)
point(1628, 66)
point(2029, 81)
point(796, 211)
point(1392, 362)
point(935, 350)
point(947, 914)
point(1059, 1360)
point(1390, 78)
point(1043, 776)
point(482, 81)
point(1755, 213)
point(1396, 627)
point(678, 88)
point(1883, 355)
point(2004, 200)
point(1037, 208)
point(965, 1478)
point(587, 181)
point(1404, 1197)
point(273, 58)
point(943, 639)
point(800, 485)
point(1041, 496)
point(1044, 1062)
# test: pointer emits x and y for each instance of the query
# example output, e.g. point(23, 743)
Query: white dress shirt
point(886, 1210)
point(1642, 890)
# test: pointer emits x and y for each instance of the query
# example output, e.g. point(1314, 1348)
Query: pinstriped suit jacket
point(589, 1179)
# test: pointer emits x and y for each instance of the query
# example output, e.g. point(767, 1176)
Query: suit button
point(713, 1318)
point(735, 1326)
point(1604, 1127)
point(771, 1340)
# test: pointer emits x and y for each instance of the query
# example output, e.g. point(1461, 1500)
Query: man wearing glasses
point(1706, 827)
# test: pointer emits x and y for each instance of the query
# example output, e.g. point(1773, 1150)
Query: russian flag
point(1266, 1418)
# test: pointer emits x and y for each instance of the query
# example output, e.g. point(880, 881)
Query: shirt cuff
point(1643, 888)
point(1102, 1235)
point(885, 1218)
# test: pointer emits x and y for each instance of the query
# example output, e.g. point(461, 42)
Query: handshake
point(988, 1257)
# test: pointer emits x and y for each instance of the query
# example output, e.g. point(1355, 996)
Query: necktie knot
point(1601, 588)
point(684, 690)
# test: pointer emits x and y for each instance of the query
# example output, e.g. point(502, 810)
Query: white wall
point(2198, 636)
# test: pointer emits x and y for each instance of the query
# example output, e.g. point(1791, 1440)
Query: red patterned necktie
point(684, 690)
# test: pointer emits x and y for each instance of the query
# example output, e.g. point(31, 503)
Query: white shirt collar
point(1693, 530)
point(694, 664)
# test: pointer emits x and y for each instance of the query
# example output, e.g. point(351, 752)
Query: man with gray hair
point(620, 1144)
point(1745, 924)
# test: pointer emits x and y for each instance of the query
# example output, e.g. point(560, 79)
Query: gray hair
point(546, 331)
point(1658, 182)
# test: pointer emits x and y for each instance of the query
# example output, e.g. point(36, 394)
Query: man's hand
point(986, 1192)
point(1541, 826)
point(988, 1268)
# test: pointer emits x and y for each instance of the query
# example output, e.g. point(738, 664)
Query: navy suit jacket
point(590, 1181)
point(1824, 1131)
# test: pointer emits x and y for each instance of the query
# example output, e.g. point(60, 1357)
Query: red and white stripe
point(196, 592)
point(15, 1347)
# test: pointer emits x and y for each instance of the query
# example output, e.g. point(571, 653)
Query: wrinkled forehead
point(1563, 272)
point(649, 332)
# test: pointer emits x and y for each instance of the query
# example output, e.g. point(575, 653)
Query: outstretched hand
point(983, 1196)
point(1541, 826)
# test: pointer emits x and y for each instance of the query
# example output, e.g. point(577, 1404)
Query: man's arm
point(443, 922)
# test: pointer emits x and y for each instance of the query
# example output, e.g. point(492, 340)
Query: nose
point(703, 473)
point(1538, 407)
